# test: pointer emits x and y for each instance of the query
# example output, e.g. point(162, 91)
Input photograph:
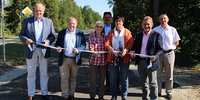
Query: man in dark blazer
point(108, 25)
point(73, 41)
point(148, 42)
point(37, 29)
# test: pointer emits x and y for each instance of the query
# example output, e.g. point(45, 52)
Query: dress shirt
point(38, 29)
point(169, 35)
point(107, 29)
point(145, 39)
point(70, 41)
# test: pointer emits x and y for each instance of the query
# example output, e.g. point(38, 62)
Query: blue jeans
point(118, 72)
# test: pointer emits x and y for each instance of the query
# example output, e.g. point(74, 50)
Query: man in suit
point(148, 42)
point(37, 29)
point(167, 59)
point(107, 19)
point(72, 40)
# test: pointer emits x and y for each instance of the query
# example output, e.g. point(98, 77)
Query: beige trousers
point(166, 66)
point(68, 73)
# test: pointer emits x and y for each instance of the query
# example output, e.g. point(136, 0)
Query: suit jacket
point(28, 31)
point(80, 45)
point(154, 45)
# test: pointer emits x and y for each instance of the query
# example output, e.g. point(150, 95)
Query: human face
point(119, 24)
point(72, 24)
point(98, 28)
point(107, 19)
point(39, 10)
point(163, 20)
point(147, 25)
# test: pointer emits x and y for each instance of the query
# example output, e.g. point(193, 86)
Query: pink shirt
point(145, 39)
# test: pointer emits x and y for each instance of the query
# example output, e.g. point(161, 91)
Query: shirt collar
point(67, 31)
point(147, 33)
point(164, 28)
point(107, 25)
point(35, 18)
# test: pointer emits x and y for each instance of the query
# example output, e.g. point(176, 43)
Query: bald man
point(37, 29)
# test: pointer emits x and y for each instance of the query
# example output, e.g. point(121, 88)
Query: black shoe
point(169, 96)
point(71, 97)
point(92, 98)
point(31, 98)
point(114, 98)
point(159, 94)
point(101, 98)
point(45, 97)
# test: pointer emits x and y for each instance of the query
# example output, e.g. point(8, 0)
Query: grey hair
point(99, 23)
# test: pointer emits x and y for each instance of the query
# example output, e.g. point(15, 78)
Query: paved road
point(17, 87)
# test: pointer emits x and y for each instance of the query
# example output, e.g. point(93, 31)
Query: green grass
point(14, 54)
point(197, 67)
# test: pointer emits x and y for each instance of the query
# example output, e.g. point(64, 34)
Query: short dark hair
point(107, 13)
point(119, 17)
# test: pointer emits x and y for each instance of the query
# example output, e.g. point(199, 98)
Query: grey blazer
point(28, 31)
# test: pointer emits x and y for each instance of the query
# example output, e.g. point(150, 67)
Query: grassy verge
point(14, 54)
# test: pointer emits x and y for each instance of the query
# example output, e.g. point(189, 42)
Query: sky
point(99, 6)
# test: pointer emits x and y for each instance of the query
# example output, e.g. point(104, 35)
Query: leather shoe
point(71, 97)
point(159, 94)
point(30, 98)
point(45, 97)
point(169, 96)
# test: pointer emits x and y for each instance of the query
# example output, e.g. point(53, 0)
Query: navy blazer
point(154, 45)
point(28, 31)
point(80, 45)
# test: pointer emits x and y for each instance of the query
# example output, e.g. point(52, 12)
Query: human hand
point(153, 58)
point(110, 49)
point(75, 50)
point(124, 52)
point(29, 41)
point(45, 43)
point(58, 49)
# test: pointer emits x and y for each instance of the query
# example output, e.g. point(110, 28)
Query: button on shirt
point(70, 41)
point(107, 29)
point(145, 39)
point(38, 29)
point(169, 35)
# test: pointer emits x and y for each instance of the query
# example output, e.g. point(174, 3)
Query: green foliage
point(57, 10)
point(183, 14)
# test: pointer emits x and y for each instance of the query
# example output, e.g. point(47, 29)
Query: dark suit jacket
point(154, 44)
point(28, 31)
point(80, 45)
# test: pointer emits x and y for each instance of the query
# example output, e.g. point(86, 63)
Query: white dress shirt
point(169, 35)
point(70, 41)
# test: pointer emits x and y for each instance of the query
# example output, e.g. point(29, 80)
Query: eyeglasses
point(99, 26)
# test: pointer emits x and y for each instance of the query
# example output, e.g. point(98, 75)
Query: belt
point(39, 46)
point(167, 51)
point(68, 57)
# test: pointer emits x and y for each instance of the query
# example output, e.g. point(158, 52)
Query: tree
point(14, 15)
point(183, 14)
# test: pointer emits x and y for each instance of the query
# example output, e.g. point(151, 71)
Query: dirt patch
point(189, 80)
